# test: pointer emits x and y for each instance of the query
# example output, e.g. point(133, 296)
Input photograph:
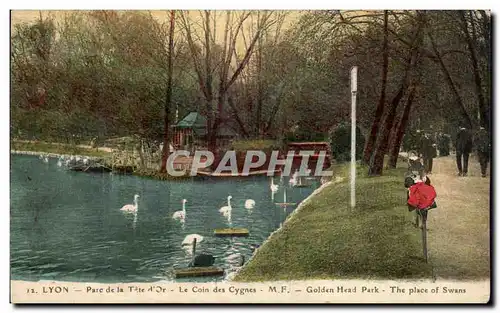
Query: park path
point(459, 229)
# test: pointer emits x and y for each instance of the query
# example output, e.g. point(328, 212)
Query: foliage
point(260, 145)
point(103, 73)
point(340, 139)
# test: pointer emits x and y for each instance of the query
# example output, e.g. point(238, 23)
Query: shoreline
point(287, 219)
point(49, 154)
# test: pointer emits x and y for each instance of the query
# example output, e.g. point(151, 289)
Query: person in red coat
point(421, 195)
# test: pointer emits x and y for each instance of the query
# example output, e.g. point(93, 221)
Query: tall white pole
point(354, 89)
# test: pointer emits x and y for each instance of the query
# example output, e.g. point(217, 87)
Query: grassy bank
point(327, 239)
point(56, 148)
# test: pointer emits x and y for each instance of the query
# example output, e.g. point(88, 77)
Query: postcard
point(250, 156)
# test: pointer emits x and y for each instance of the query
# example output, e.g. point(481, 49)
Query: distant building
point(191, 133)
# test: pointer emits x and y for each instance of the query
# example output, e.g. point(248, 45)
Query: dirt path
point(459, 229)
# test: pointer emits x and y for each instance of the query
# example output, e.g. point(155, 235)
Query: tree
point(370, 143)
point(168, 99)
point(377, 158)
point(213, 62)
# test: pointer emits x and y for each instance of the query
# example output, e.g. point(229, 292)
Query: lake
point(67, 226)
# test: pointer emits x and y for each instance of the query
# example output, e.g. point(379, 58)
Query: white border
point(190, 4)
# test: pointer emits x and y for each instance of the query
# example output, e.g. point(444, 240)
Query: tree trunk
point(141, 153)
point(237, 117)
point(393, 159)
point(377, 158)
point(258, 118)
point(168, 100)
point(484, 121)
point(379, 112)
point(451, 83)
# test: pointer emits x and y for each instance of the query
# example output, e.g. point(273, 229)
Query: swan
point(227, 215)
point(233, 257)
point(249, 204)
point(189, 239)
point(293, 180)
point(274, 188)
point(236, 259)
point(59, 162)
point(46, 160)
point(131, 207)
point(226, 209)
point(181, 215)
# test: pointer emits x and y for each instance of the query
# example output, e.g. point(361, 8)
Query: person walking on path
point(464, 148)
point(443, 143)
point(428, 151)
point(482, 145)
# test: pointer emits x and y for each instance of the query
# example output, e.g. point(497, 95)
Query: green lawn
point(56, 148)
point(327, 239)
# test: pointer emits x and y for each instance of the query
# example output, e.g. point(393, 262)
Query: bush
point(300, 136)
point(261, 145)
point(340, 140)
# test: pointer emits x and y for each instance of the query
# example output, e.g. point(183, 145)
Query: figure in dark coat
point(428, 151)
point(446, 144)
point(482, 145)
point(463, 146)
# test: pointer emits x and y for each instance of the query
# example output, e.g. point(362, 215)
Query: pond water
point(68, 226)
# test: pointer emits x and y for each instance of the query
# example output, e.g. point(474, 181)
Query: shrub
point(299, 136)
point(261, 145)
point(340, 139)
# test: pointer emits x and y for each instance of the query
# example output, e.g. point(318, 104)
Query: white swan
point(46, 160)
point(273, 187)
point(233, 257)
point(227, 215)
point(249, 204)
point(131, 207)
point(181, 215)
point(189, 239)
point(226, 209)
point(59, 162)
point(293, 180)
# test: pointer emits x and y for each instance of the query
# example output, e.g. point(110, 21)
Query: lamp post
point(354, 89)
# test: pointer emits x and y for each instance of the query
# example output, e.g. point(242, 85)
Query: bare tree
point(377, 158)
point(168, 98)
point(370, 143)
point(222, 63)
point(469, 30)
